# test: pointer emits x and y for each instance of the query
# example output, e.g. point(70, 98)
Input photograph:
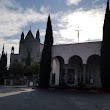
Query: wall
point(84, 50)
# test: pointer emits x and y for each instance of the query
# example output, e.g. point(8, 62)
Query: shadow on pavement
point(52, 99)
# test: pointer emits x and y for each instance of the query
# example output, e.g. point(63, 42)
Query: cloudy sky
point(67, 16)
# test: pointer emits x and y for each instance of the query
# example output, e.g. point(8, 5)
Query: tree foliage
point(3, 65)
point(105, 54)
point(32, 70)
point(45, 64)
point(17, 69)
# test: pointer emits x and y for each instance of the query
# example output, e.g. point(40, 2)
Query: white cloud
point(90, 22)
point(13, 20)
point(73, 2)
point(44, 9)
point(7, 4)
point(95, 1)
point(58, 39)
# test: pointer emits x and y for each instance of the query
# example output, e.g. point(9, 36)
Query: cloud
point(95, 1)
point(8, 4)
point(73, 2)
point(90, 22)
point(44, 9)
point(13, 19)
point(58, 39)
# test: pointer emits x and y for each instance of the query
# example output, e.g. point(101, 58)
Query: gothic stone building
point(30, 45)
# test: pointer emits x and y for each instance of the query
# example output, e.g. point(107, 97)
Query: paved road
point(30, 99)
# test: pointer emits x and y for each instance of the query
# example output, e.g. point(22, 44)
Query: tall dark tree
point(3, 65)
point(105, 54)
point(3, 59)
point(45, 64)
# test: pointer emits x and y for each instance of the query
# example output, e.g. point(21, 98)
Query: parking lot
point(22, 98)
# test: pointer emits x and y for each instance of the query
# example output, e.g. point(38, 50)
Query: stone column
point(11, 82)
point(50, 78)
point(84, 73)
point(88, 75)
point(5, 81)
point(66, 73)
point(50, 82)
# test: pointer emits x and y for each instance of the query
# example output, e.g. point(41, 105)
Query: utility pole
point(78, 33)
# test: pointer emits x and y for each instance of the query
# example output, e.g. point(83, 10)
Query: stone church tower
point(27, 45)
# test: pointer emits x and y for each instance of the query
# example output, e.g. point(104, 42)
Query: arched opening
point(93, 71)
point(75, 70)
point(57, 70)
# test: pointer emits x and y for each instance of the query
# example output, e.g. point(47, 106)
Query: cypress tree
point(105, 54)
point(3, 64)
point(45, 64)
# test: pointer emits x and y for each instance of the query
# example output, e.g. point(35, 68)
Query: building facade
point(27, 45)
point(76, 64)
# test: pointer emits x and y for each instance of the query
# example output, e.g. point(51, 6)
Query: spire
point(38, 35)
point(12, 50)
point(22, 36)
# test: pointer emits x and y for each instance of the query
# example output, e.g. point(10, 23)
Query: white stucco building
point(76, 64)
